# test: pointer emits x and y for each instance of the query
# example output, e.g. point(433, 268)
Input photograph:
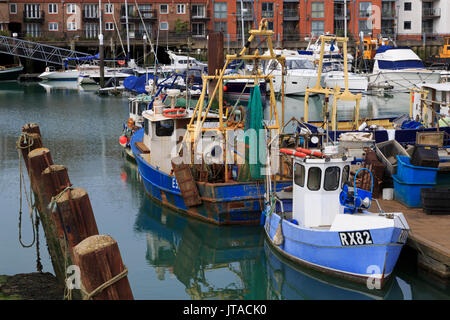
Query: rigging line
point(145, 29)
point(117, 29)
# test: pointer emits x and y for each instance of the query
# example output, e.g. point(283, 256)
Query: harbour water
point(168, 255)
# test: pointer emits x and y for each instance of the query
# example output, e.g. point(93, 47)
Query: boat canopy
point(88, 58)
point(398, 58)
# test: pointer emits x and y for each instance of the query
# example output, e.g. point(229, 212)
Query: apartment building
point(291, 20)
point(80, 18)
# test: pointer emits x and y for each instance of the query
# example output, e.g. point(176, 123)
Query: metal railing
point(28, 17)
point(290, 13)
point(431, 12)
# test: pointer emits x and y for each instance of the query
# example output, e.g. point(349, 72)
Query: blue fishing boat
point(327, 226)
point(187, 161)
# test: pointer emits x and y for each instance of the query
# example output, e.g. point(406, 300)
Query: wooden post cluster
point(69, 223)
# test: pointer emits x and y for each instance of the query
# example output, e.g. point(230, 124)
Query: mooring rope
point(110, 282)
point(26, 138)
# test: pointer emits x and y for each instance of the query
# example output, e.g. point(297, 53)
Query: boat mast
point(242, 23)
point(128, 36)
point(100, 47)
point(345, 18)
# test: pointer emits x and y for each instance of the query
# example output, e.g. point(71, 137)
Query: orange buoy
point(311, 153)
point(169, 113)
point(293, 153)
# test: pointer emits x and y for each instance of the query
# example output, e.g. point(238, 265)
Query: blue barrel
point(409, 193)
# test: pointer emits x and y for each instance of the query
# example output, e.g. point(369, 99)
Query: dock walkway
point(429, 236)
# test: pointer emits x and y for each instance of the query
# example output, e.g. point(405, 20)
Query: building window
point(33, 29)
point(317, 27)
point(32, 11)
point(53, 26)
point(407, 25)
point(13, 8)
point(270, 25)
point(181, 9)
point(267, 9)
point(71, 8)
point(146, 10)
point(220, 10)
point(365, 9)
point(365, 26)
point(163, 25)
point(71, 26)
point(408, 6)
point(52, 8)
point(109, 8)
point(91, 30)
point(198, 29)
point(90, 11)
point(109, 26)
point(198, 11)
point(220, 26)
point(163, 8)
point(317, 10)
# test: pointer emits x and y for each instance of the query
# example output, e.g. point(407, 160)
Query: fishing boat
point(10, 73)
point(402, 128)
point(188, 162)
point(327, 225)
point(400, 68)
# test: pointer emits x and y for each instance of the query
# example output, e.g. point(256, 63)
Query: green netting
point(256, 142)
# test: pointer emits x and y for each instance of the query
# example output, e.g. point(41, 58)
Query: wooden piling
point(76, 218)
point(68, 219)
point(38, 160)
point(99, 260)
point(55, 179)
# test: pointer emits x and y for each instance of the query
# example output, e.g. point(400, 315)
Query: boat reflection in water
point(212, 262)
point(287, 281)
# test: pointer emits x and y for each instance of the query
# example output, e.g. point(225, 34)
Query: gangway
point(37, 51)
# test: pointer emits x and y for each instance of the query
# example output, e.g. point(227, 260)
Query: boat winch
point(356, 199)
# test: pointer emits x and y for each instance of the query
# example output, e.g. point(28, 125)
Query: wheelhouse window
point(331, 181)
point(164, 128)
point(146, 126)
point(345, 175)
point(299, 176)
point(314, 178)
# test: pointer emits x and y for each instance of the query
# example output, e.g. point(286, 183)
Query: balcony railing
point(30, 16)
point(134, 15)
point(267, 14)
point(290, 13)
point(88, 16)
point(196, 16)
point(340, 14)
point(387, 14)
point(431, 12)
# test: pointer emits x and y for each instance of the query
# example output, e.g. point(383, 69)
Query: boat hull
point(355, 83)
point(222, 203)
point(295, 84)
point(11, 74)
point(322, 250)
point(403, 80)
point(71, 75)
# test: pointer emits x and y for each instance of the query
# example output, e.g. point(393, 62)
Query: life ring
point(121, 62)
point(168, 113)
point(47, 69)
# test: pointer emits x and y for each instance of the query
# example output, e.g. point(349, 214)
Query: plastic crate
point(408, 173)
point(425, 156)
point(409, 193)
point(387, 152)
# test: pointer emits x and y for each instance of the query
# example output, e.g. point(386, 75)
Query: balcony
point(198, 17)
point(248, 16)
point(339, 14)
point(431, 13)
point(387, 14)
point(147, 15)
point(290, 14)
point(267, 14)
point(33, 16)
point(88, 16)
